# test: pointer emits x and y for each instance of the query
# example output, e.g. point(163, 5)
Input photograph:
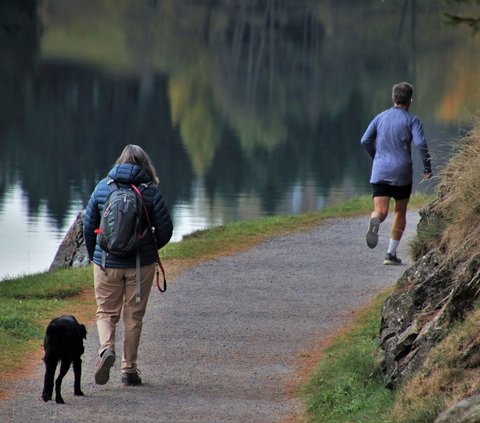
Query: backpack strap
point(104, 260)
point(143, 186)
point(159, 262)
point(112, 185)
point(138, 191)
point(137, 277)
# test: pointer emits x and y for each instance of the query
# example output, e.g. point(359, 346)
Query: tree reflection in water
point(248, 107)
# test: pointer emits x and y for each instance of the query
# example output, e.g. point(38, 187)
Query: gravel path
point(225, 341)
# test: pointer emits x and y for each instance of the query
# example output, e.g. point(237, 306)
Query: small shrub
point(428, 236)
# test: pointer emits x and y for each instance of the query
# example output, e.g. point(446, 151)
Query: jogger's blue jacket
point(388, 141)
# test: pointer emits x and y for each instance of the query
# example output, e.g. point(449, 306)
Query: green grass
point(28, 303)
point(347, 386)
point(63, 283)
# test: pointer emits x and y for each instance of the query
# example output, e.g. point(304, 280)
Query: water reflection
point(247, 108)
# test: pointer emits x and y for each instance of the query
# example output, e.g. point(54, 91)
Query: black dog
point(63, 342)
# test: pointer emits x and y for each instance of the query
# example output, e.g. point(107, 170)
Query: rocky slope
point(440, 290)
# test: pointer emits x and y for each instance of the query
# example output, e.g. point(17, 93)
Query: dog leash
point(154, 242)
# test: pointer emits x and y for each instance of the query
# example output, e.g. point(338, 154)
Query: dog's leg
point(50, 367)
point(58, 383)
point(77, 370)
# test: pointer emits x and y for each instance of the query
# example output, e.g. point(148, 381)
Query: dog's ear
point(51, 329)
point(83, 331)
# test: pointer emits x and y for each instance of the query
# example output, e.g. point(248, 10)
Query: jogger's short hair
point(402, 93)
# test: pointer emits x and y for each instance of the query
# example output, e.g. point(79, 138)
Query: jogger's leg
point(380, 208)
point(399, 219)
point(398, 227)
point(378, 215)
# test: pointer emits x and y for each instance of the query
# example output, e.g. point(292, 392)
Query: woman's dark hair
point(134, 154)
point(402, 93)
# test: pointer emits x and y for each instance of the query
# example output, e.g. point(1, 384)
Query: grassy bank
point(28, 303)
point(346, 386)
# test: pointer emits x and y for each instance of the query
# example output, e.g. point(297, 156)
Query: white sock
point(392, 247)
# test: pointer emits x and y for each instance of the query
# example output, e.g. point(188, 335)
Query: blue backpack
point(120, 231)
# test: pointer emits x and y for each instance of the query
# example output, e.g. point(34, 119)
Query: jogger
point(388, 141)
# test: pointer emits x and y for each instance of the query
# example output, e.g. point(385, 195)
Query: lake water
point(248, 108)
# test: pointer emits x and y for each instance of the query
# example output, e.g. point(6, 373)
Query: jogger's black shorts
point(397, 192)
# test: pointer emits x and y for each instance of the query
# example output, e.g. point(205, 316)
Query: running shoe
point(372, 234)
point(392, 259)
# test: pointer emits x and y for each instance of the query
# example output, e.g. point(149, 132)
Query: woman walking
point(118, 286)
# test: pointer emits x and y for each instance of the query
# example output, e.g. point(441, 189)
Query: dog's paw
point(46, 396)
point(59, 400)
point(79, 393)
